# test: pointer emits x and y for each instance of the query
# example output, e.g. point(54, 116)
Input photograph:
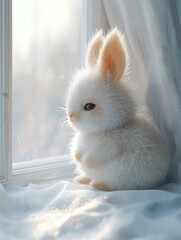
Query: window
point(47, 44)
point(43, 48)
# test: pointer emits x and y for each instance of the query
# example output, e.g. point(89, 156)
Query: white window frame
point(91, 21)
point(5, 88)
point(40, 169)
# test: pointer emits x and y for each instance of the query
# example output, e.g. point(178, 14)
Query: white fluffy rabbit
point(114, 147)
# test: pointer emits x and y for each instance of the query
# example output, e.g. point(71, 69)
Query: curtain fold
point(153, 31)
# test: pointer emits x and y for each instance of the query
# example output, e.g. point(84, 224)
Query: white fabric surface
point(65, 210)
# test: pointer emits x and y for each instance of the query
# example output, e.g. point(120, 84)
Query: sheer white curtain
point(153, 31)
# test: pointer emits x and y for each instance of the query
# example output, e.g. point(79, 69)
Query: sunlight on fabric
point(46, 52)
point(53, 222)
point(65, 210)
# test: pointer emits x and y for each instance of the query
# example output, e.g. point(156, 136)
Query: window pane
point(46, 51)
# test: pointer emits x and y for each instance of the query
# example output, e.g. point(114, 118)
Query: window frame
point(40, 169)
point(5, 90)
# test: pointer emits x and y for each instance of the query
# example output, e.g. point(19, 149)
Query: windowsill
point(59, 167)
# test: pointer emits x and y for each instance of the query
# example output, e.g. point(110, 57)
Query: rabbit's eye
point(89, 106)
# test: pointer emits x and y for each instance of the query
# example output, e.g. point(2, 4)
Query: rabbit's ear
point(113, 55)
point(94, 47)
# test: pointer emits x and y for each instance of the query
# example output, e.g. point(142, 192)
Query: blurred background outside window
point(46, 52)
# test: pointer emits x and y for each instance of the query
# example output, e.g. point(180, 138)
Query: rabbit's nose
point(74, 116)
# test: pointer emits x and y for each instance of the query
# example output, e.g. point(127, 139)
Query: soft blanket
point(64, 210)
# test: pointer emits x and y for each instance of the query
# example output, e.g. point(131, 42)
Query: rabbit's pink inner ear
point(113, 56)
point(93, 50)
point(110, 64)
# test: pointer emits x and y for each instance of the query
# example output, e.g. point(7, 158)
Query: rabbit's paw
point(89, 163)
point(78, 156)
point(99, 185)
point(82, 179)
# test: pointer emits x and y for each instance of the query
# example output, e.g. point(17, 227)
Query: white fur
point(125, 150)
